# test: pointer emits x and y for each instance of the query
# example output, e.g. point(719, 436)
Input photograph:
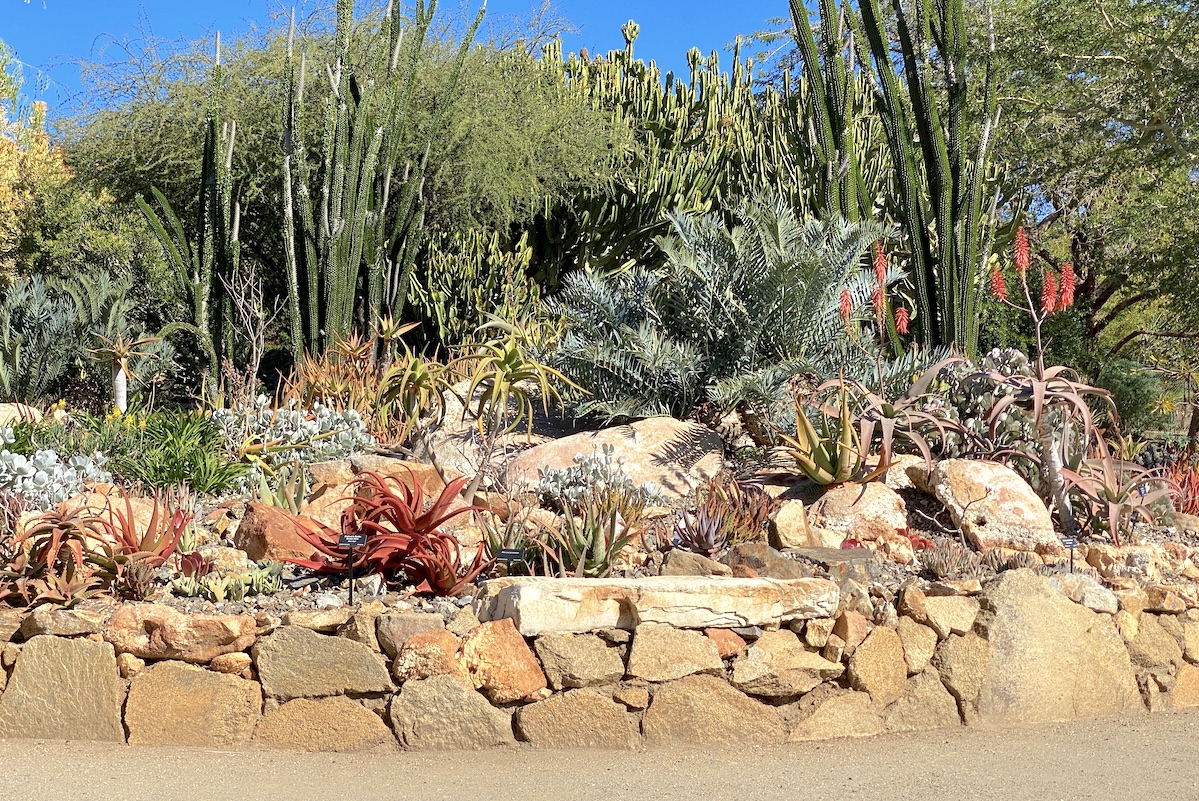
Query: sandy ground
point(1142, 758)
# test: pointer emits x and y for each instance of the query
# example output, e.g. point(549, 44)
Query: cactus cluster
point(949, 560)
point(44, 480)
point(967, 393)
point(999, 562)
point(266, 578)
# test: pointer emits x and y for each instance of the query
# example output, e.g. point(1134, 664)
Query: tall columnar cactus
point(202, 263)
point(352, 223)
point(941, 162)
point(699, 141)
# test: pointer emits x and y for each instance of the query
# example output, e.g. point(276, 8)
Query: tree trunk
point(120, 387)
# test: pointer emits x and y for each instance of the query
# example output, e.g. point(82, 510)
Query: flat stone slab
point(547, 605)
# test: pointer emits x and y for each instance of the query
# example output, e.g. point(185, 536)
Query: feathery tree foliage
point(728, 310)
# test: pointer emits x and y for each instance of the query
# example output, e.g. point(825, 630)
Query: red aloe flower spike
point(878, 300)
point(902, 317)
point(998, 287)
point(1066, 291)
point(1049, 292)
point(1022, 252)
point(880, 264)
point(846, 305)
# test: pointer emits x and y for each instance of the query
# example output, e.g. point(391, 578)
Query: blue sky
point(52, 35)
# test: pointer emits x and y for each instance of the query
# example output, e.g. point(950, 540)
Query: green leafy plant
point(291, 488)
point(832, 453)
point(587, 544)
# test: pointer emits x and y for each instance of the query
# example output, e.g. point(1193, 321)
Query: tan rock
point(705, 710)
point(993, 505)
point(925, 704)
point(816, 632)
point(500, 662)
point(1190, 639)
point(953, 614)
point(227, 560)
point(728, 642)
point(233, 664)
point(393, 629)
point(1185, 693)
point(1127, 625)
point(63, 690)
point(539, 605)
point(10, 623)
point(299, 663)
point(759, 560)
point(323, 620)
point(1163, 599)
point(577, 719)
point(59, 622)
point(578, 660)
point(12, 413)
point(633, 696)
point(463, 622)
point(326, 724)
point(865, 512)
point(834, 648)
point(445, 712)
point(789, 528)
point(177, 704)
point(778, 666)
point(919, 643)
point(912, 603)
point(954, 587)
point(1083, 589)
point(129, 665)
point(677, 456)
point(1153, 646)
point(852, 628)
point(834, 714)
point(685, 563)
point(268, 532)
point(877, 666)
point(429, 653)
point(155, 631)
point(1033, 655)
point(361, 626)
point(664, 653)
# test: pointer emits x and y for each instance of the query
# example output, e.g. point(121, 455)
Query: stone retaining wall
point(792, 661)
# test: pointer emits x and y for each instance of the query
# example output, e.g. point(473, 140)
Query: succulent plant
point(704, 533)
point(195, 565)
point(187, 587)
point(265, 579)
point(136, 580)
point(44, 480)
point(598, 476)
point(949, 560)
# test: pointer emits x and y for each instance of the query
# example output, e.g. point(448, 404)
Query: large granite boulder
point(705, 710)
point(1034, 656)
point(577, 719)
point(445, 712)
point(993, 506)
point(324, 724)
point(299, 663)
point(174, 703)
point(155, 631)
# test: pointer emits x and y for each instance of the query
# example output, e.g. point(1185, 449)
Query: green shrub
point(1134, 389)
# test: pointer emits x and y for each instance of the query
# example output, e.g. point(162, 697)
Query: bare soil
point(1131, 758)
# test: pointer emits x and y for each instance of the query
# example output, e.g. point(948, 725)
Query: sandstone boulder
point(789, 528)
point(829, 713)
point(12, 413)
point(393, 629)
point(268, 532)
point(59, 622)
point(705, 710)
point(950, 614)
point(679, 562)
point(729, 643)
point(778, 666)
point(10, 623)
point(1033, 655)
point(764, 562)
point(676, 456)
point(155, 631)
point(1083, 589)
point(877, 666)
point(993, 506)
point(872, 513)
point(919, 643)
point(1185, 692)
point(501, 663)
point(578, 660)
point(925, 704)
point(326, 620)
point(577, 719)
point(298, 663)
point(664, 653)
point(539, 605)
point(174, 703)
point(1153, 646)
point(325, 724)
point(429, 653)
point(63, 690)
point(445, 712)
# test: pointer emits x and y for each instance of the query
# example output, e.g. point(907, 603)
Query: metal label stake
point(351, 541)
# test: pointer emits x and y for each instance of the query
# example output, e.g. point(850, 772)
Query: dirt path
point(1144, 758)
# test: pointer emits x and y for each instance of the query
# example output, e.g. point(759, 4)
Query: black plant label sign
point(351, 540)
